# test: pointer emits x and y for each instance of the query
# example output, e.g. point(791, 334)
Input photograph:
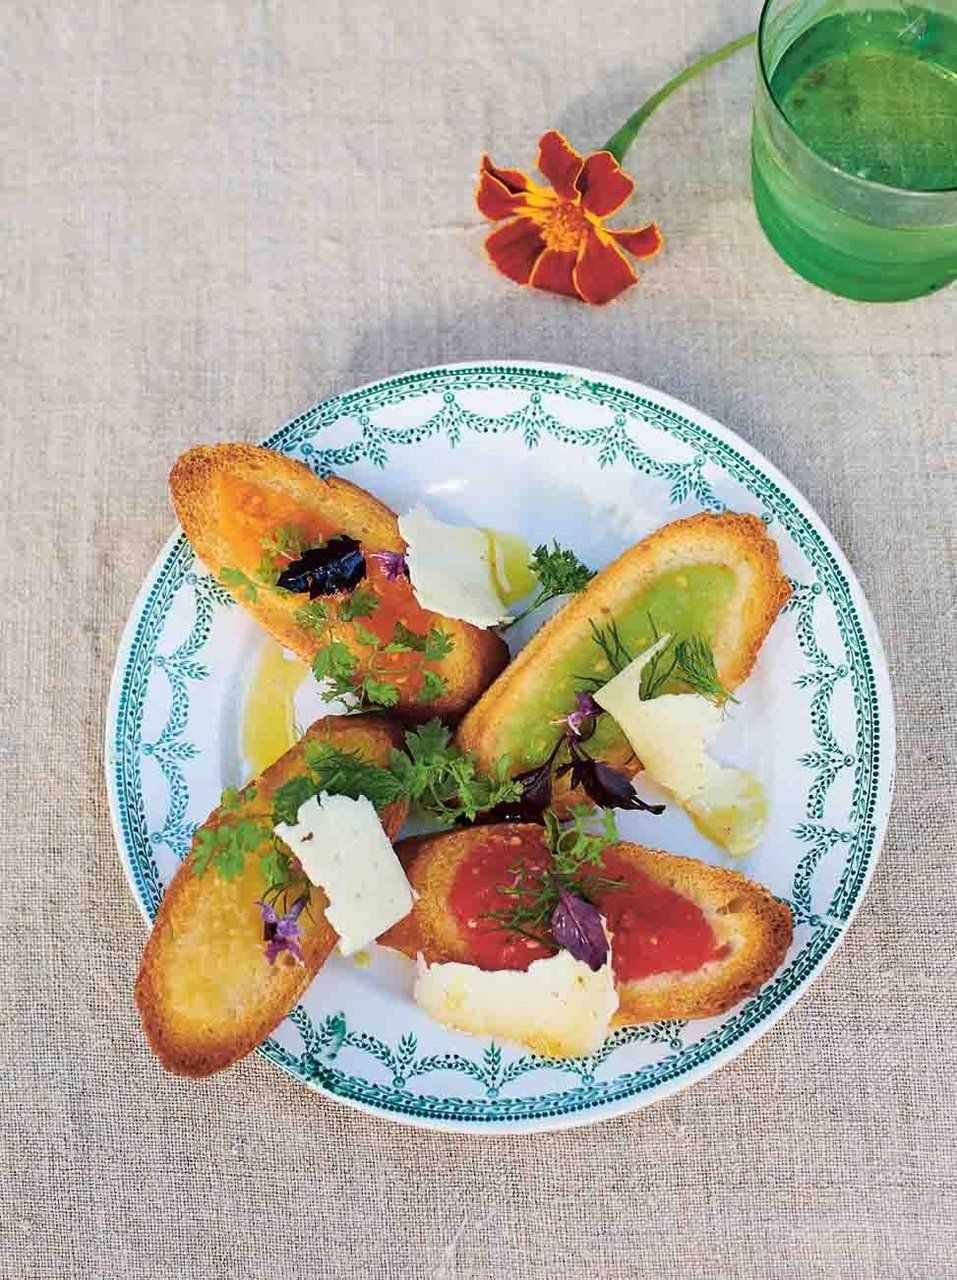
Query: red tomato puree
point(477, 889)
point(654, 928)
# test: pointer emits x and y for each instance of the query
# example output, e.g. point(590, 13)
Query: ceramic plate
point(596, 462)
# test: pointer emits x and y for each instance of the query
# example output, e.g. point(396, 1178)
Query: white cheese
point(343, 848)
point(559, 1007)
point(670, 734)
point(451, 569)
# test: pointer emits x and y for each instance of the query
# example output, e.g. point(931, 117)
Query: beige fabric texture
point(215, 215)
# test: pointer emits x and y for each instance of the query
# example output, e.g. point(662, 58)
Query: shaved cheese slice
point(670, 734)
point(343, 848)
point(558, 1007)
point(451, 569)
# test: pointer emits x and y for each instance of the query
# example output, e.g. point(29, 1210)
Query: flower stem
point(621, 139)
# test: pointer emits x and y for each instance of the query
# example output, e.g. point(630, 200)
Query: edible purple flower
point(580, 723)
point(608, 787)
point(325, 571)
point(576, 926)
point(394, 565)
point(281, 933)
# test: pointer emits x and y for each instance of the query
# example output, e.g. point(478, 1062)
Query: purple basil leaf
point(531, 805)
point(576, 926)
point(608, 787)
point(325, 571)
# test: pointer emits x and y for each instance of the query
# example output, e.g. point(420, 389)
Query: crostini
point(714, 576)
point(688, 940)
point(208, 991)
point(315, 561)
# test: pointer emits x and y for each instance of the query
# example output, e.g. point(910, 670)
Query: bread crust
point(206, 993)
point(747, 919)
point(760, 590)
point(477, 655)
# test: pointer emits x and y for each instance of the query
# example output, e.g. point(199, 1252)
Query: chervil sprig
point(559, 572)
point(445, 782)
point(377, 684)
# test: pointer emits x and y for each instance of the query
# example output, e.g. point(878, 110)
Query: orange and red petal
point(603, 184)
point(555, 271)
point(513, 180)
point(560, 163)
point(602, 271)
point(643, 243)
point(494, 200)
point(514, 249)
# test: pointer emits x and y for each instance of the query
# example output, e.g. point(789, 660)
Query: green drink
point(854, 162)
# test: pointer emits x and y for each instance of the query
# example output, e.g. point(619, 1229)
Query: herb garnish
point(445, 782)
point(337, 665)
point(327, 570)
point(559, 572)
point(536, 894)
point(690, 661)
point(430, 771)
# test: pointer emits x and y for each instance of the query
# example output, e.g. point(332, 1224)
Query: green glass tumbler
point(854, 144)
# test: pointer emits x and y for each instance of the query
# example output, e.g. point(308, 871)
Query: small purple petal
point(576, 926)
point(281, 933)
point(580, 722)
point(393, 564)
point(585, 705)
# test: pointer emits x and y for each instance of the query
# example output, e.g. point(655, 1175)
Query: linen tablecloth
point(217, 214)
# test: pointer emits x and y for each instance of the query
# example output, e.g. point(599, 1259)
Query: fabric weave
point(216, 215)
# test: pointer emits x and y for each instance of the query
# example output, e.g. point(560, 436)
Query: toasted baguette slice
point(503, 722)
point(206, 993)
point(230, 497)
point(752, 930)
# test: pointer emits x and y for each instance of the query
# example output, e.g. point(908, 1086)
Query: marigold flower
point(556, 238)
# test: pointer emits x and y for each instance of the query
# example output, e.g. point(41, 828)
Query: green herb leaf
point(579, 843)
point(438, 644)
point(445, 782)
point(365, 636)
point(361, 604)
point(314, 616)
point(224, 847)
point(433, 686)
point(346, 773)
point(276, 867)
point(612, 646)
point(235, 580)
point(405, 640)
point(575, 848)
point(380, 693)
point(428, 742)
point(288, 799)
point(335, 662)
point(696, 666)
point(559, 572)
point(689, 661)
point(285, 541)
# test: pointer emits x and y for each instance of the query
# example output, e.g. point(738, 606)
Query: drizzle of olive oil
point(269, 716)
point(509, 559)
